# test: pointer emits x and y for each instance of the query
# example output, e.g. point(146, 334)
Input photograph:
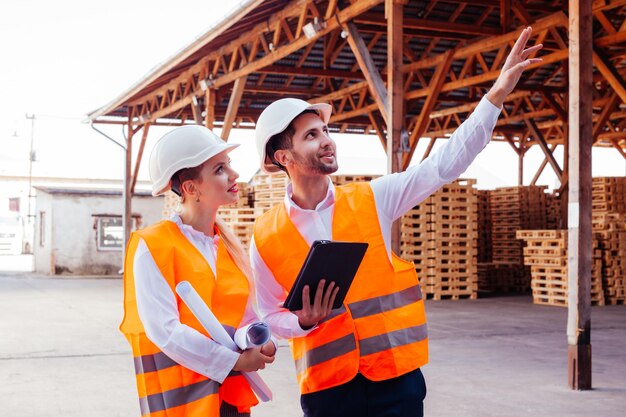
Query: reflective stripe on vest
point(373, 344)
point(163, 385)
point(177, 397)
point(381, 329)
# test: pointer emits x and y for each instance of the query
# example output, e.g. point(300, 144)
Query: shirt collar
point(195, 233)
point(327, 202)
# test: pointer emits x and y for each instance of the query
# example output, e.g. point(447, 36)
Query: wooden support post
point(520, 168)
point(142, 145)
point(579, 207)
point(127, 196)
point(209, 104)
point(233, 106)
point(394, 99)
point(195, 110)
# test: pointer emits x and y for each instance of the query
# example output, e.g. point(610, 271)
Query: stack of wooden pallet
point(346, 179)
point(241, 221)
point(608, 223)
point(269, 189)
point(440, 236)
point(484, 227)
point(512, 209)
point(546, 254)
point(170, 204)
point(608, 195)
point(553, 211)
point(610, 230)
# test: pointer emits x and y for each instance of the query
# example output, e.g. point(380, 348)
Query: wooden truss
point(443, 57)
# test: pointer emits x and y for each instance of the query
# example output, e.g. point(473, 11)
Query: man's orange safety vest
point(167, 389)
point(381, 329)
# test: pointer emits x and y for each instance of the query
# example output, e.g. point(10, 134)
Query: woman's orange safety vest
point(167, 389)
point(381, 329)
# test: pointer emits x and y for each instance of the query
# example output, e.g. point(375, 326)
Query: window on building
point(110, 231)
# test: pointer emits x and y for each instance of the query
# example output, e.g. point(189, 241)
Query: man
point(363, 359)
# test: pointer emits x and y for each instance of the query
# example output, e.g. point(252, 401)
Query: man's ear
point(283, 157)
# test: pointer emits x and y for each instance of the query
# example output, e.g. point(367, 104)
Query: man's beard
point(314, 164)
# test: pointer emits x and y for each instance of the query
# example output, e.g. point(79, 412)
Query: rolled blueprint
point(210, 323)
point(255, 334)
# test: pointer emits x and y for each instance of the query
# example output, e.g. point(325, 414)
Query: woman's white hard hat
point(276, 117)
point(183, 147)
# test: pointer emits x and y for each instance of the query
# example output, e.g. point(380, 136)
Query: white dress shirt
point(394, 195)
point(158, 312)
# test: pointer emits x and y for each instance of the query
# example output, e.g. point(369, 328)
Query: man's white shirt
point(394, 195)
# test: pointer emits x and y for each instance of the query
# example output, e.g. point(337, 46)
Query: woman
point(180, 370)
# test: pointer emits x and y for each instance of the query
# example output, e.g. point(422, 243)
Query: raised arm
point(395, 194)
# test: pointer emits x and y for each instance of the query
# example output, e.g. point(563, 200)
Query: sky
point(63, 59)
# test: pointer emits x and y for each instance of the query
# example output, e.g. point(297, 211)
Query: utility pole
point(31, 158)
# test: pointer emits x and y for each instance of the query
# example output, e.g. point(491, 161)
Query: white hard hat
point(183, 147)
point(276, 117)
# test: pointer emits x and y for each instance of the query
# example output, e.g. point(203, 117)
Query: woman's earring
point(197, 199)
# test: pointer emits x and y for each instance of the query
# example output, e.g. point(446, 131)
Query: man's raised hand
point(514, 66)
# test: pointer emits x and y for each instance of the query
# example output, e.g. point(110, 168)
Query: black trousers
point(227, 410)
point(398, 397)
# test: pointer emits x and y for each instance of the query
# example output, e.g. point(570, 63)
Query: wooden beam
point(429, 149)
point(278, 53)
point(558, 109)
point(542, 167)
point(233, 106)
point(374, 19)
point(505, 15)
point(532, 126)
point(368, 67)
point(489, 44)
point(315, 72)
point(423, 119)
point(377, 124)
point(617, 146)
point(340, 93)
point(610, 74)
point(512, 144)
point(579, 195)
point(199, 71)
point(604, 117)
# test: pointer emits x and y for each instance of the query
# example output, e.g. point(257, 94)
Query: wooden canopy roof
point(336, 51)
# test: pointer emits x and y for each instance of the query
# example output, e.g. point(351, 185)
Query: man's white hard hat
point(276, 117)
point(183, 147)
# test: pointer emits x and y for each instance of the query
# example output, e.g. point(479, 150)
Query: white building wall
point(72, 247)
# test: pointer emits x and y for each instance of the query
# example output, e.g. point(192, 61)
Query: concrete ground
point(62, 355)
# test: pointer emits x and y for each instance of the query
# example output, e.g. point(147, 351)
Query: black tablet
point(329, 260)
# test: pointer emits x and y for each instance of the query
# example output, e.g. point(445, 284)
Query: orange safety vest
point(167, 389)
point(380, 331)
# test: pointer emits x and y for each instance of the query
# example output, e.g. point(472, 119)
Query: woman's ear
point(187, 188)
